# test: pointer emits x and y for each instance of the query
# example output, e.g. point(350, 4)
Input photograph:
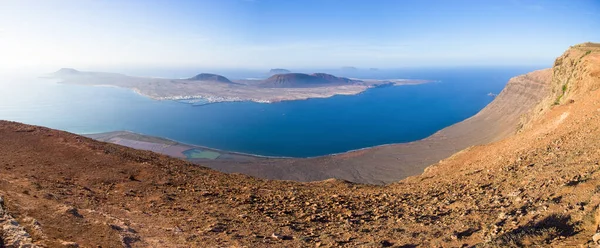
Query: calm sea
point(296, 128)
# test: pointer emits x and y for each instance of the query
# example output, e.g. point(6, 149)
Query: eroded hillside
point(536, 187)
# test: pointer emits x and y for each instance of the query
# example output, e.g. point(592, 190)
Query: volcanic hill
point(299, 80)
point(210, 77)
point(67, 71)
point(536, 187)
point(278, 71)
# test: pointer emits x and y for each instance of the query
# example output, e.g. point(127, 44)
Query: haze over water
point(295, 128)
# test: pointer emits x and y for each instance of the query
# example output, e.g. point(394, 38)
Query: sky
point(254, 34)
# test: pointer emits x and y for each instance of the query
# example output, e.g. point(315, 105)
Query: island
point(278, 71)
point(349, 69)
point(212, 88)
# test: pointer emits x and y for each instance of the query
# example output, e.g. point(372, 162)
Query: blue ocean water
point(295, 128)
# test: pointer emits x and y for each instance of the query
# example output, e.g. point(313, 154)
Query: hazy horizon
point(263, 34)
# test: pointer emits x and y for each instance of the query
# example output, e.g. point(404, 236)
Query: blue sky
point(291, 34)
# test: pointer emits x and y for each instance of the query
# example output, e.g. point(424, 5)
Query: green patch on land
point(564, 90)
point(198, 153)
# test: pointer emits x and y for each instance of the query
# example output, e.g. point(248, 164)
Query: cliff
point(574, 75)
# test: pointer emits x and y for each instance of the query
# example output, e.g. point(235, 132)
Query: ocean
point(305, 128)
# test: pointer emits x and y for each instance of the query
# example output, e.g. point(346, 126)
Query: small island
point(349, 69)
point(278, 71)
point(212, 88)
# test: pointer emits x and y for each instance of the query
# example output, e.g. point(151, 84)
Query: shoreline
point(141, 135)
point(387, 163)
point(236, 99)
point(210, 100)
point(259, 155)
point(398, 82)
point(91, 135)
point(375, 163)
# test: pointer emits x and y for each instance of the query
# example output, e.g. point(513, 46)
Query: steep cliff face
point(549, 172)
point(574, 75)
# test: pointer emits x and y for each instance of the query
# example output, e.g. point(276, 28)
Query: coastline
point(250, 155)
point(116, 137)
point(215, 99)
point(102, 137)
point(379, 164)
point(389, 163)
point(218, 99)
point(142, 136)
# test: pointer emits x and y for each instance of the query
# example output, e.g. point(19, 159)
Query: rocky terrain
point(536, 187)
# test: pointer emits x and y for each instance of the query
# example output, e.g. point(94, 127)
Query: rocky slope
point(538, 187)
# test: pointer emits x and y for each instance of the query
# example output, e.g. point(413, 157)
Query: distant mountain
point(349, 69)
point(278, 71)
point(300, 80)
point(67, 71)
point(70, 72)
point(210, 77)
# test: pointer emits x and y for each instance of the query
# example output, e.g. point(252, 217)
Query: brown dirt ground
point(538, 187)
